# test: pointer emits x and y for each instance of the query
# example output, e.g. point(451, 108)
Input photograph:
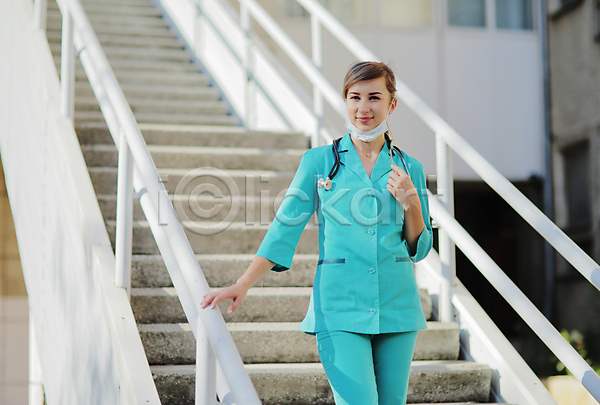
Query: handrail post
point(445, 194)
point(124, 226)
point(206, 369)
point(317, 58)
point(39, 14)
point(245, 24)
point(67, 66)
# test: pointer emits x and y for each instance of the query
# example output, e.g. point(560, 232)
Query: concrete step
point(177, 119)
point(120, 8)
point(175, 107)
point(200, 156)
point(306, 384)
point(249, 209)
point(162, 78)
point(140, 66)
point(137, 53)
point(216, 237)
point(131, 41)
point(108, 3)
point(116, 2)
point(230, 182)
point(168, 42)
point(55, 25)
point(106, 20)
point(278, 342)
point(262, 304)
point(149, 271)
point(191, 78)
point(157, 92)
point(159, 134)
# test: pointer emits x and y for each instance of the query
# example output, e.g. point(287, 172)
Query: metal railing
point(447, 141)
point(136, 171)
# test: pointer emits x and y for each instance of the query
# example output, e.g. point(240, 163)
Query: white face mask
point(366, 136)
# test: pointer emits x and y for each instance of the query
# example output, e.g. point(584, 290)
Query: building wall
point(574, 50)
point(487, 82)
point(14, 312)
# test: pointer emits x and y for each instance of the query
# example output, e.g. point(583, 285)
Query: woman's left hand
point(402, 188)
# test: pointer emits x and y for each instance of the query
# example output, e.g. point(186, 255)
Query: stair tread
point(201, 129)
point(238, 256)
point(161, 102)
point(183, 172)
point(141, 116)
point(200, 150)
point(263, 326)
point(236, 225)
point(157, 87)
point(303, 368)
point(252, 292)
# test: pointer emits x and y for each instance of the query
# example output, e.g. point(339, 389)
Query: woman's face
point(368, 103)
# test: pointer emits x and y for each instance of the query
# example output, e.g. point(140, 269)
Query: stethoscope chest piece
point(325, 183)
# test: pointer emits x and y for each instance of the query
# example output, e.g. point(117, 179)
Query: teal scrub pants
point(367, 369)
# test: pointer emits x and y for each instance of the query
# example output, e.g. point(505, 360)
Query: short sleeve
point(296, 209)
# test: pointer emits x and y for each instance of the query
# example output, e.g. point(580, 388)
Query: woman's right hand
point(237, 292)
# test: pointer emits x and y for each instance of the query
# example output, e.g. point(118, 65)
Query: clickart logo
point(207, 200)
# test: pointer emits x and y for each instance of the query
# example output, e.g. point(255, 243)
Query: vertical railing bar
point(445, 194)
point(39, 14)
point(67, 66)
point(317, 58)
point(206, 369)
point(124, 226)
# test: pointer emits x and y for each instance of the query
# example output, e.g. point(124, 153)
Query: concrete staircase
point(186, 126)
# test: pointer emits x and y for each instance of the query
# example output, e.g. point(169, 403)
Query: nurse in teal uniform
point(373, 224)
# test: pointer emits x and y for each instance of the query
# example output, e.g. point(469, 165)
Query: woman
point(373, 216)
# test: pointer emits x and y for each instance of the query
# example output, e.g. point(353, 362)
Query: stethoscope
point(326, 183)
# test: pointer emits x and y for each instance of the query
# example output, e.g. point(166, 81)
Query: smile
point(364, 120)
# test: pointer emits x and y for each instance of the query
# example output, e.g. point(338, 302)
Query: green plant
point(577, 340)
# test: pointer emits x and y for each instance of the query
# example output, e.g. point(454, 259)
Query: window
point(405, 13)
point(466, 13)
point(514, 14)
point(576, 163)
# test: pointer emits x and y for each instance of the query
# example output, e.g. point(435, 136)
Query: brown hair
point(363, 71)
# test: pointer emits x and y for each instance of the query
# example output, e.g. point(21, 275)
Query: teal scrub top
point(364, 282)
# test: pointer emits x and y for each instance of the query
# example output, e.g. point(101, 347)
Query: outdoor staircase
point(186, 126)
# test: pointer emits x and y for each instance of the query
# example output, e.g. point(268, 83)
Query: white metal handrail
point(447, 140)
point(142, 175)
point(519, 301)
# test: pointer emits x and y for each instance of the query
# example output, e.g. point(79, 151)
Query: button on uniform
point(370, 232)
point(373, 311)
point(372, 270)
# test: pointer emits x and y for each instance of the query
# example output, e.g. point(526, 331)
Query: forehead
point(369, 86)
